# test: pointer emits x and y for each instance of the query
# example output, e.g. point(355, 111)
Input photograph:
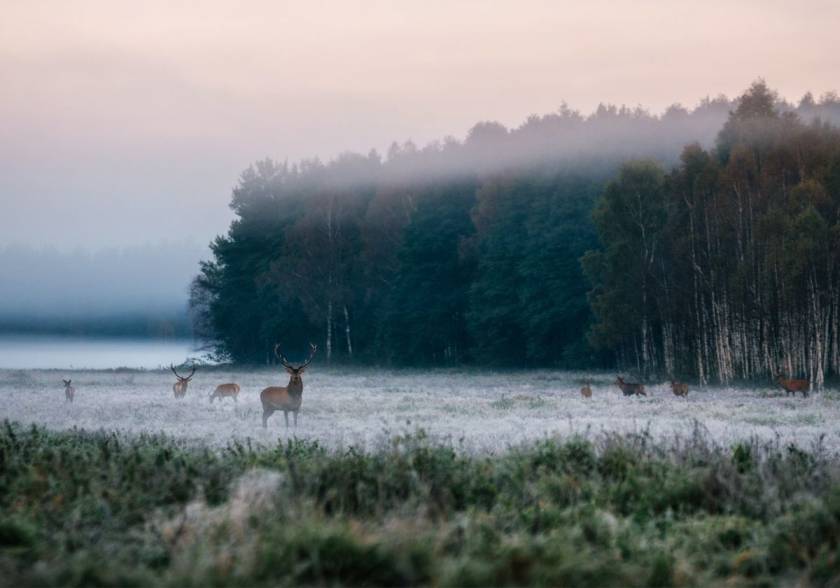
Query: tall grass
point(82, 508)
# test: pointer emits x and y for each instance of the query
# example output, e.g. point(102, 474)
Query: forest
point(699, 243)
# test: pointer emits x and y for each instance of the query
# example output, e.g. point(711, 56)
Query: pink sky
point(124, 123)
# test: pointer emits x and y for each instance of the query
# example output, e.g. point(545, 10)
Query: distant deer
point(179, 388)
point(69, 391)
point(679, 388)
point(223, 391)
point(629, 388)
point(793, 386)
point(586, 391)
point(288, 398)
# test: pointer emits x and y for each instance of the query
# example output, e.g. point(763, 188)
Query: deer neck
point(295, 388)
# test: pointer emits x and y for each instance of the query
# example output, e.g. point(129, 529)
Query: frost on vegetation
point(473, 411)
point(252, 496)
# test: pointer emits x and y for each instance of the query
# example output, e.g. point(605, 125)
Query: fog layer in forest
point(708, 255)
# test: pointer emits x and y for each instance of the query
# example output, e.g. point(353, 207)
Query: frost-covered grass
point(474, 411)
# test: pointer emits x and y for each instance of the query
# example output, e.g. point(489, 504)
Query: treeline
point(154, 324)
point(726, 267)
point(462, 251)
point(133, 291)
point(420, 272)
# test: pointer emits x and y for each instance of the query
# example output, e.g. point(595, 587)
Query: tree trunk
point(347, 332)
point(329, 330)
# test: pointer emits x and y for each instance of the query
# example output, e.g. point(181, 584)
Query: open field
point(475, 411)
point(444, 478)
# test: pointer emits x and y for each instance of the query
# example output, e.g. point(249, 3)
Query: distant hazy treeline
point(153, 324)
point(471, 251)
point(133, 291)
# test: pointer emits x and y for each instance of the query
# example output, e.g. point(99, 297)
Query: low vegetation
point(81, 508)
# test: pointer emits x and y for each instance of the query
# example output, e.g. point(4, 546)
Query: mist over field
point(420, 293)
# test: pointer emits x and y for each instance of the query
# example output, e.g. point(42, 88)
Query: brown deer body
point(586, 391)
point(679, 388)
point(179, 388)
point(286, 398)
point(69, 391)
point(630, 388)
point(223, 391)
point(793, 386)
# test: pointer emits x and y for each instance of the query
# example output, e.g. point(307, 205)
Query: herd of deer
point(635, 389)
point(681, 388)
point(288, 398)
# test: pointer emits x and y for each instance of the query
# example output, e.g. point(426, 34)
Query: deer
point(69, 391)
point(793, 386)
point(679, 388)
point(286, 398)
point(223, 391)
point(179, 388)
point(586, 391)
point(629, 388)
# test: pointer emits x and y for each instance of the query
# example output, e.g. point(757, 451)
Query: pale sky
point(124, 123)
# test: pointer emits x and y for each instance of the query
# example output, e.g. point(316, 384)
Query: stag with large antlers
point(180, 387)
point(288, 398)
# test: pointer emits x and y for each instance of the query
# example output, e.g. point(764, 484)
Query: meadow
point(473, 411)
point(444, 478)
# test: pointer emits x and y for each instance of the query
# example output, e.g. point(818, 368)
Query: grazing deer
point(679, 388)
point(793, 386)
point(586, 391)
point(179, 388)
point(629, 389)
point(223, 391)
point(288, 398)
point(69, 391)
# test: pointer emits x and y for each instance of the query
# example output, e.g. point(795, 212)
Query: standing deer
point(629, 388)
point(793, 386)
point(223, 391)
point(69, 391)
point(286, 398)
point(679, 388)
point(586, 391)
point(179, 388)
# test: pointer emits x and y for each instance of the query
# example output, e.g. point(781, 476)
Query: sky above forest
point(128, 123)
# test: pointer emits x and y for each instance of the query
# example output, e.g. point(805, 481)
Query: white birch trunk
point(347, 332)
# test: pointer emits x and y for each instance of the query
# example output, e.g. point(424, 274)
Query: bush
point(82, 508)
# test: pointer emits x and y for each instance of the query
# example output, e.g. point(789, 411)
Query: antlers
point(286, 363)
point(172, 367)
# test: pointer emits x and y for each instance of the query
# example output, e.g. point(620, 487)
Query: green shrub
point(101, 509)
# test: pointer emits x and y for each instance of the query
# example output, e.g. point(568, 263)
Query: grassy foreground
point(83, 508)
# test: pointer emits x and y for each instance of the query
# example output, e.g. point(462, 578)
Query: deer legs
point(268, 412)
point(286, 416)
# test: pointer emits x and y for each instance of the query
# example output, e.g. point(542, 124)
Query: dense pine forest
point(697, 243)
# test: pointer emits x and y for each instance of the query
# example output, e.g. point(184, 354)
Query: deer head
point(182, 379)
point(295, 372)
